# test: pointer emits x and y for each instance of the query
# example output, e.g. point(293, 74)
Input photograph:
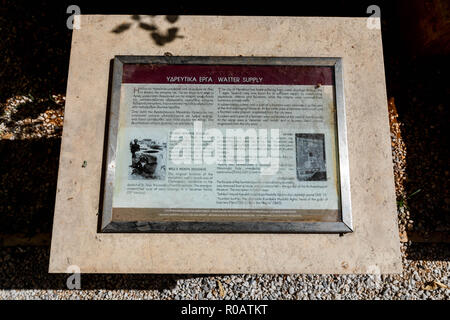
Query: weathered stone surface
point(372, 248)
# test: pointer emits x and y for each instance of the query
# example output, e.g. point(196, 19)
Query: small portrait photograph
point(148, 159)
point(310, 155)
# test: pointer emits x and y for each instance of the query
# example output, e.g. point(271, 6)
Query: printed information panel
point(223, 145)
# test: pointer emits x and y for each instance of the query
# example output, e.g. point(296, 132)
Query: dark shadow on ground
point(28, 175)
point(419, 83)
point(34, 46)
point(422, 106)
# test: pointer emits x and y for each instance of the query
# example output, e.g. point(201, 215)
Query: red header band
point(227, 74)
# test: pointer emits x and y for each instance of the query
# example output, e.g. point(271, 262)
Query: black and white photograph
point(148, 159)
point(311, 164)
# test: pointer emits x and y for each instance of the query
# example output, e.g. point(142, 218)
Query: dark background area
point(34, 54)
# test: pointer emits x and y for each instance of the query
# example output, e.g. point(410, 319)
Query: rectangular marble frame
point(342, 225)
point(374, 245)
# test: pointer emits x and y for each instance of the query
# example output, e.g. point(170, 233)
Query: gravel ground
point(419, 280)
point(32, 90)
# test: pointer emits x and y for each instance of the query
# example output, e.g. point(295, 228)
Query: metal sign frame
point(343, 226)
